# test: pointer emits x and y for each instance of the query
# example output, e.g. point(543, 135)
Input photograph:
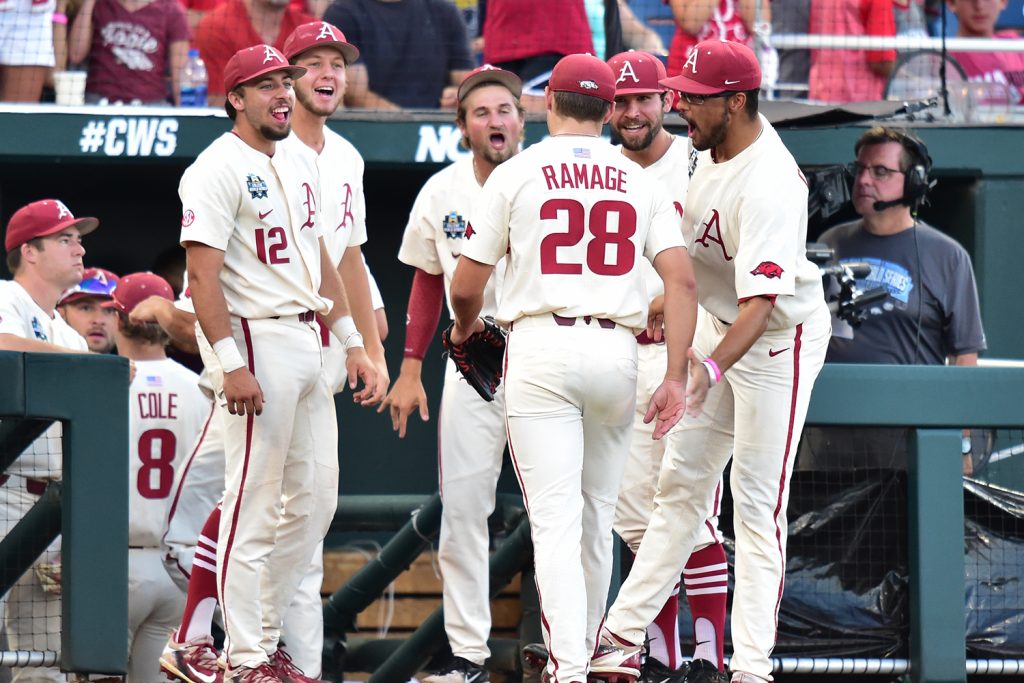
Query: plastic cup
point(69, 87)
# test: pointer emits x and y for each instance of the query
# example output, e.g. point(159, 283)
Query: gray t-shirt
point(931, 285)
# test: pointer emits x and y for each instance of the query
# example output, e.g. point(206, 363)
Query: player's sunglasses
point(877, 172)
point(98, 286)
point(692, 98)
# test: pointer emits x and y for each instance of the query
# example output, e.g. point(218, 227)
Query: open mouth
point(281, 114)
point(325, 91)
point(498, 141)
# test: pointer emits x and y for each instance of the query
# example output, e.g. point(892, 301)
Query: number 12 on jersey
point(609, 252)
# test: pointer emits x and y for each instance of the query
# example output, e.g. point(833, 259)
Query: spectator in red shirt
point(977, 19)
point(131, 46)
point(237, 24)
point(698, 20)
point(197, 9)
point(840, 76)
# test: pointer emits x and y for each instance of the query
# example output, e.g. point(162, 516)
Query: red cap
point(253, 62)
point(317, 34)
point(637, 73)
point(136, 288)
point(490, 74)
point(42, 218)
point(584, 74)
point(95, 282)
point(716, 66)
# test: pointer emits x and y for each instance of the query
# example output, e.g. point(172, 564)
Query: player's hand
point(656, 319)
point(148, 310)
point(461, 334)
point(383, 381)
point(406, 396)
point(667, 404)
point(243, 393)
point(697, 387)
point(449, 97)
point(360, 367)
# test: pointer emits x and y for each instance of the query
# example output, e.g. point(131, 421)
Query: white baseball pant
point(154, 608)
point(471, 444)
point(756, 413)
point(569, 416)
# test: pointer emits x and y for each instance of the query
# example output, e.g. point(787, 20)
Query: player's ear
point(737, 102)
point(236, 99)
point(667, 99)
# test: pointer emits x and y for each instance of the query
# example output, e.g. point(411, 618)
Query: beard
point(306, 100)
point(714, 136)
point(634, 145)
point(275, 134)
point(497, 156)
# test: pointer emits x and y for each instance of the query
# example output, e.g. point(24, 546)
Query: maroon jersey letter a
point(713, 233)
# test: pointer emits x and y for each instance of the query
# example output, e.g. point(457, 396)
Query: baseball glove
point(479, 358)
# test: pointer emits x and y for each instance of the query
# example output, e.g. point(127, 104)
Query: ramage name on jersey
point(583, 176)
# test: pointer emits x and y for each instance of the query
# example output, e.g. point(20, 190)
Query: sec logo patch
point(187, 218)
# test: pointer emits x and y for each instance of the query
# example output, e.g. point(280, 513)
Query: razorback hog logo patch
point(768, 269)
point(588, 85)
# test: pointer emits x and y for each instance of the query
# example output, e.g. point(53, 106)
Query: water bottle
point(193, 81)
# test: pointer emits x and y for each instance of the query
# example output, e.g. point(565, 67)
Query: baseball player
point(82, 308)
point(471, 431)
point(44, 252)
point(259, 274)
point(166, 412)
point(761, 336)
point(575, 217)
point(641, 103)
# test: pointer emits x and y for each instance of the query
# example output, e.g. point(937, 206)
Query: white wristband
point(344, 328)
point(228, 355)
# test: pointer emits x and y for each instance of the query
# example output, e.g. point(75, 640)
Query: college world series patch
point(454, 226)
point(257, 188)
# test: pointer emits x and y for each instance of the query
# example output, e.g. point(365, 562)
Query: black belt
point(304, 317)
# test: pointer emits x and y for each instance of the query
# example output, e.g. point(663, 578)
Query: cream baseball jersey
point(436, 232)
point(575, 217)
point(746, 226)
point(166, 411)
point(262, 212)
point(21, 316)
point(342, 204)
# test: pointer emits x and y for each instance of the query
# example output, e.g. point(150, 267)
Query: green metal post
point(15, 437)
point(23, 544)
point(936, 537)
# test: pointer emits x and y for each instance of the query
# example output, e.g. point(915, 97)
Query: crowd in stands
point(416, 51)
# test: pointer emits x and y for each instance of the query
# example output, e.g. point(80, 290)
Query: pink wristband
point(713, 372)
point(60, 18)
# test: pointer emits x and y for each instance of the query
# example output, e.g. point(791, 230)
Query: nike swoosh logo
point(199, 676)
point(772, 352)
point(264, 215)
point(731, 82)
point(470, 679)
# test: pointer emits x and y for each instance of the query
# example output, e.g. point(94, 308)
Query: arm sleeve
point(879, 20)
point(425, 301)
point(962, 315)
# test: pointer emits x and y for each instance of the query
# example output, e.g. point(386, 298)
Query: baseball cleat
point(656, 672)
point(615, 661)
point(703, 671)
point(285, 669)
point(263, 673)
point(194, 661)
point(459, 670)
point(535, 658)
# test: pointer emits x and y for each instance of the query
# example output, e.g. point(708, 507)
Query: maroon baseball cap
point(253, 62)
point(136, 288)
point(317, 34)
point(96, 282)
point(716, 66)
point(584, 74)
point(490, 74)
point(637, 73)
point(42, 218)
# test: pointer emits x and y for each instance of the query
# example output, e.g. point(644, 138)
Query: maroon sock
point(202, 585)
point(663, 633)
point(706, 578)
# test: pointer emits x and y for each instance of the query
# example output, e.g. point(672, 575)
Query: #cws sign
point(439, 144)
point(122, 136)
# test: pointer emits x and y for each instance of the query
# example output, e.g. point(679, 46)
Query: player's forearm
point(750, 324)
point(12, 342)
point(411, 369)
point(357, 286)
point(680, 323)
point(467, 291)
point(332, 288)
point(180, 326)
point(204, 264)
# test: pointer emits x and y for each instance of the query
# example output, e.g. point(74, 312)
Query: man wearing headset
point(931, 316)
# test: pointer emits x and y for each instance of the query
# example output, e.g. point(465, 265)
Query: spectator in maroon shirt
point(977, 19)
point(237, 24)
point(131, 46)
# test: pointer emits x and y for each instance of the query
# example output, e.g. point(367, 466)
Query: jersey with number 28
point(576, 217)
point(165, 413)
